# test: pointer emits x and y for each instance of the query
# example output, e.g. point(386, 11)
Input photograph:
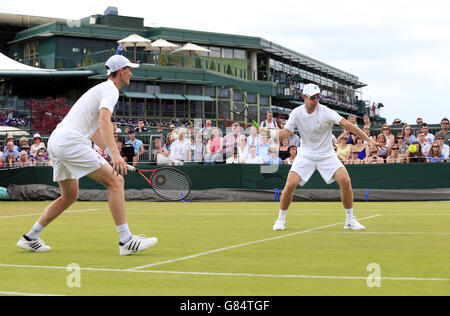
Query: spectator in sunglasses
point(417, 156)
point(395, 156)
point(444, 131)
point(373, 157)
point(435, 153)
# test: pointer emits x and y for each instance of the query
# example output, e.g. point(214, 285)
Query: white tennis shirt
point(315, 130)
point(82, 119)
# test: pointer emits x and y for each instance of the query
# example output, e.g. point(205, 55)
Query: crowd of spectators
point(185, 143)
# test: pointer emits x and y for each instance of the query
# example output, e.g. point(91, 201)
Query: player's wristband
point(108, 152)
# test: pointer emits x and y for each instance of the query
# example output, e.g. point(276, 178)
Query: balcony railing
point(142, 57)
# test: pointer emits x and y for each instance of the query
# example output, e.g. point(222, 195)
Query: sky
point(400, 49)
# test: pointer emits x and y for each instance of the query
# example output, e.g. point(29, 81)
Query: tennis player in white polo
point(314, 122)
point(72, 156)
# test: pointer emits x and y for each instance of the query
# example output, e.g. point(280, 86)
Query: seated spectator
point(283, 152)
point(37, 144)
point(141, 127)
point(373, 157)
point(169, 141)
point(263, 149)
point(10, 149)
point(445, 131)
point(425, 147)
point(138, 146)
point(383, 149)
point(269, 122)
point(252, 157)
point(352, 119)
point(343, 148)
point(159, 128)
point(116, 129)
point(408, 135)
point(243, 148)
point(429, 138)
point(389, 138)
point(214, 148)
point(119, 144)
point(180, 149)
point(445, 149)
point(294, 140)
point(335, 150)
point(367, 122)
point(395, 156)
point(23, 142)
point(10, 161)
point(10, 138)
point(354, 159)
point(40, 160)
point(231, 140)
point(360, 147)
point(254, 139)
point(292, 155)
point(274, 159)
point(417, 156)
point(198, 148)
point(160, 154)
point(435, 154)
point(369, 134)
point(399, 141)
point(234, 159)
point(25, 161)
point(206, 131)
point(349, 137)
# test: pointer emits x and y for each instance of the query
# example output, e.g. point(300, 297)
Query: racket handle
point(132, 169)
point(255, 124)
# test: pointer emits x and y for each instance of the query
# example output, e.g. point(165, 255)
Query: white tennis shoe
point(279, 226)
point(137, 244)
point(353, 224)
point(37, 245)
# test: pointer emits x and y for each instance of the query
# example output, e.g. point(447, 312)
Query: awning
point(139, 95)
point(199, 98)
point(163, 96)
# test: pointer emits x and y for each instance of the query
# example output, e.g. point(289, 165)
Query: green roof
point(198, 98)
point(139, 95)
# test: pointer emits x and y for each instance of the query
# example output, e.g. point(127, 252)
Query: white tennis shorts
point(327, 168)
point(72, 159)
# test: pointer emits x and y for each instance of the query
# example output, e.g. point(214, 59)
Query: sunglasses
point(435, 146)
point(445, 123)
point(314, 98)
point(374, 152)
point(396, 148)
point(355, 153)
point(385, 129)
point(399, 137)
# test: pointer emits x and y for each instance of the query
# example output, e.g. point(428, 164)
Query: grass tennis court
point(218, 249)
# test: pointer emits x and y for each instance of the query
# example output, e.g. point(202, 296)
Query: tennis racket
point(239, 110)
point(168, 183)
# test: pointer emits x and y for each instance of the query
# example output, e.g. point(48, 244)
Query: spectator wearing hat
point(444, 131)
point(37, 144)
point(10, 138)
point(24, 143)
point(138, 147)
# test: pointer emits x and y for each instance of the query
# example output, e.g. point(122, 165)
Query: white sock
point(282, 216)
point(349, 213)
point(35, 231)
point(124, 233)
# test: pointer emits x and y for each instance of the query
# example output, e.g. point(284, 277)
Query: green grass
point(195, 255)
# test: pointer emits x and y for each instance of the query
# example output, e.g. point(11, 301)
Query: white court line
point(292, 276)
point(241, 245)
point(38, 214)
point(385, 233)
point(26, 294)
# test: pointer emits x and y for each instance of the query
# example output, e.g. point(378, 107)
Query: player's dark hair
point(112, 74)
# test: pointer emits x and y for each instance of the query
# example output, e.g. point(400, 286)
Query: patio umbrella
point(161, 45)
point(190, 49)
point(134, 40)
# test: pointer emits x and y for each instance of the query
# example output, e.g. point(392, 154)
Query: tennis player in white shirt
point(72, 155)
point(314, 122)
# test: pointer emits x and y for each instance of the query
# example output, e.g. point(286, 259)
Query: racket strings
point(171, 184)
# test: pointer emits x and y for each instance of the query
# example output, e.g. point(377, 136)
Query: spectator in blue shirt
point(10, 149)
point(274, 158)
point(138, 147)
point(120, 49)
point(435, 153)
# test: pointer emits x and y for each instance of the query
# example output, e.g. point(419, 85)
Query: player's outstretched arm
point(357, 131)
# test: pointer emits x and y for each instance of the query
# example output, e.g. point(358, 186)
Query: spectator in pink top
point(214, 148)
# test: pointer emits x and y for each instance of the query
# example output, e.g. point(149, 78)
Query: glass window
point(167, 88)
point(137, 107)
point(252, 98)
point(238, 107)
point(152, 89)
point(194, 90)
point(264, 101)
point(224, 93)
point(237, 95)
point(214, 51)
point(167, 108)
point(152, 109)
point(196, 109)
point(227, 53)
point(210, 91)
point(180, 88)
point(122, 108)
point(253, 113)
point(210, 110)
point(263, 113)
point(224, 112)
point(182, 109)
point(239, 54)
